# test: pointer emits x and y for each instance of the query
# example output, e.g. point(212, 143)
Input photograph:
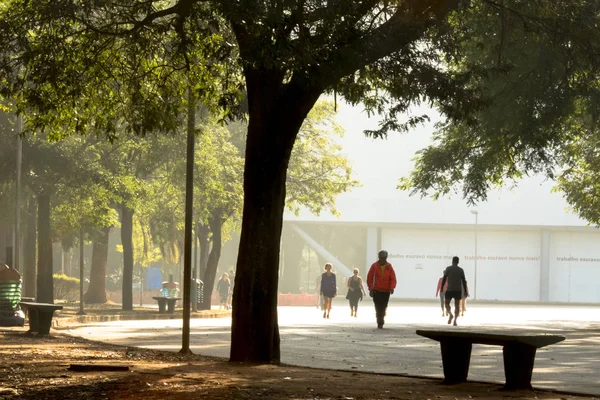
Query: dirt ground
point(38, 368)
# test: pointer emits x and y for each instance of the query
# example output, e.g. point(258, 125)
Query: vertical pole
point(189, 199)
point(141, 285)
point(17, 238)
point(475, 275)
point(81, 264)
point(195, 273)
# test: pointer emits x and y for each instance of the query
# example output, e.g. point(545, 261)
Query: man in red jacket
point(381, 280)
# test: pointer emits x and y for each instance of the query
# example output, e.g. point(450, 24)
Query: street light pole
point(476, 213)
point(17, 234)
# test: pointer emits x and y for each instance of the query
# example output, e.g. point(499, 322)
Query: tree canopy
point(541, 88)
point(467, 58)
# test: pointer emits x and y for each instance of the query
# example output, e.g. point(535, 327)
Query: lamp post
point(16, 264)
point(476, 214)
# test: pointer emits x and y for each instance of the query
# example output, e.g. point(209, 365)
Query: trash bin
point(10, 297)
point(199, 291)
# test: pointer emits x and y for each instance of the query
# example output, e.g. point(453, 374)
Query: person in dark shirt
point(328, 288)
point(455, 277)
point(223, 288)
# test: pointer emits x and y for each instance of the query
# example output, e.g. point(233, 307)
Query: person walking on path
point(223, 289)
point(328, 289)
point(463, 301)
point(441, 291)
point(381, 281)
point(455, 277)
point(232, 283)
point(356, 290)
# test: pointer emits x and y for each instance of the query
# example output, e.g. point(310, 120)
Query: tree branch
point(407, 25)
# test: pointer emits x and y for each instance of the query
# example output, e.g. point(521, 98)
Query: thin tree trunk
point(68, 257)
point(96, 292)
point(210, 274)
point(45, 284)
point(127, 242)
point(29, 247)
point(203, 231)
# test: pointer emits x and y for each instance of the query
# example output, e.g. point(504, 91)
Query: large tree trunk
point(210, 274)
point(96, 292)
point(127, 242)
point(276, 115)
point(45, 284)
point(29, 253)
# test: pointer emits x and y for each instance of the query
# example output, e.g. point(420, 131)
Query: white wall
point(508, 263)
point(575, 267)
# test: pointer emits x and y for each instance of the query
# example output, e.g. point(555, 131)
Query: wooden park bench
point(40, 316)
point(167, 303)
point(518, 350)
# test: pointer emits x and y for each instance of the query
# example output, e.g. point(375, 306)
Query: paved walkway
point(355, 344)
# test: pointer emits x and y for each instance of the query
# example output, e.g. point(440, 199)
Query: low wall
point(283, 299)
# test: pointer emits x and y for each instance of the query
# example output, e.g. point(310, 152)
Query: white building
point(529, 246)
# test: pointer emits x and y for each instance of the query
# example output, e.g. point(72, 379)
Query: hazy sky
point(379, 163)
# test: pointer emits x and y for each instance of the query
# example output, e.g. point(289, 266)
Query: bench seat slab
point(40, 316)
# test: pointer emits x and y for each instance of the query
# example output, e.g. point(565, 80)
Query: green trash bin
point(10, 297)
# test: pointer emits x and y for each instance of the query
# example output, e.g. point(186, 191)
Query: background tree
point(541, 83)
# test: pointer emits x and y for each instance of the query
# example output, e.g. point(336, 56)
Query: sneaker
point(450, 318)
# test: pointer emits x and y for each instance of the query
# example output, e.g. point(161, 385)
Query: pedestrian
point(442, 291)
point(223, 288)
point(463, 302)
point(232, 284)
point(455, 277)
point(381, 281)
point(328, 289)
point(355, 291)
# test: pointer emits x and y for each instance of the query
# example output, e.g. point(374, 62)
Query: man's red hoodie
point(382, 281)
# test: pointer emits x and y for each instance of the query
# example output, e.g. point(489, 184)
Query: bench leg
point(45, 321)
point(171, 306)
point(162, 306)
point(40, 321)
point(33, 317)
point(518, 366)
point(456, 356)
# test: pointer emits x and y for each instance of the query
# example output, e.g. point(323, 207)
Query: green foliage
point(579, 179)
point(539, 74)
point(65, 287)
point(318, 171)
point(104, 83)
point(218, 176)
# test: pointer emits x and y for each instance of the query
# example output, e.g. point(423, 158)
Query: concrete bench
point(40, 316)
point(166, 302)
point(518, 350)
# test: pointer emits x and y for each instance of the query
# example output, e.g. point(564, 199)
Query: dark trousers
point(381, 300)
